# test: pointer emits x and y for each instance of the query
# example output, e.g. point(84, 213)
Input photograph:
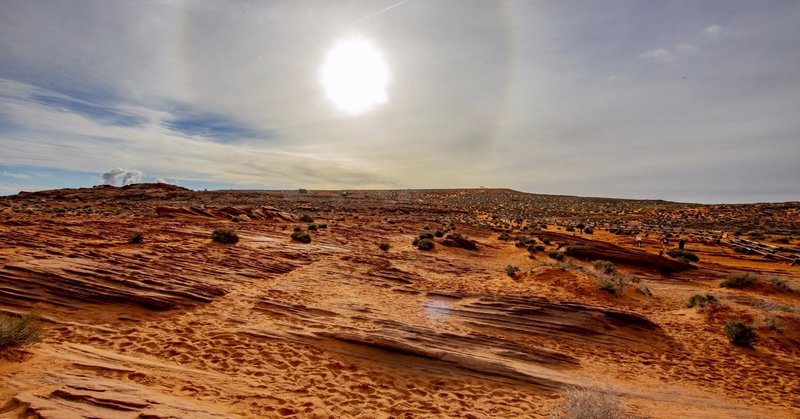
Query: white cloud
point(14, 175)
point(118, 176)
point(688, 49)
point(659, 54)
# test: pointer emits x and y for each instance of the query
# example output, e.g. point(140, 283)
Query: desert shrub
point(570, 229)
point(580, 226)
point(605, 266)
point(779, 283)
point(384, 246)
point(390, 221)
point(586, 403)
point(306, 218)
point(700, 300)
point(312, 227)
point(533, 248)
point(504, 236)
point(224, 236)
point(608, 287)
point(322, 226)
point(236, 219)
point(302, 190)
point(555, 254)
point(415, 242)
point(588, 230)
point(137, 238)
point(740, 280)
point(439, 233)
point(19, 331)
point(740, 334)
point(546, 241)
point(512, 270)
point(425, 244)
point(425, 235)
point(783, 240)
point(682, 254)
point(298, 228)
point(301, 236)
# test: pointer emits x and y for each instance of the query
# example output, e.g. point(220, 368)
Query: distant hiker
point(681, 243)
point(639, 241)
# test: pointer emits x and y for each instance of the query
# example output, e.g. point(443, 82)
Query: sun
point(355, 76)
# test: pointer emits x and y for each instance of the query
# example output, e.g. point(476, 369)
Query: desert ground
point(505, 313)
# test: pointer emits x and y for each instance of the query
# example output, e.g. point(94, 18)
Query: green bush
point(609, 287)
point(605, 267)
point(312, 227)
point(504, 236)
point(224, 236)
point(555, 254)
point(322, 226)
point(306, 218)
point(533, 248)
point(779, 284)
point(740, 334)
point(137, 238)
point(676, 253)
point(301, 236)
point(700, 300)
point(384, 246)
point(741, 280)
point(439, 233)
point(19, 331)
point(425, 244)
point(512, 270)
point(425, 235)
point(236, 219)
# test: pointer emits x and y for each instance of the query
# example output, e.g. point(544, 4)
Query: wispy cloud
point(541, 96)
point(14, 175)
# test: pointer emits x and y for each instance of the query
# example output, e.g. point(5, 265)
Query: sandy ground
point(179, 326)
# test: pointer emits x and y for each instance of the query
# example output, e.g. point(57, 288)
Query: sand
point(179, 326)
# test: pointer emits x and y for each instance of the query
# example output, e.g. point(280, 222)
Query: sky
point(692, 101)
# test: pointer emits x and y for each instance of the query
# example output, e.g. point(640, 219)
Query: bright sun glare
point(355, 76)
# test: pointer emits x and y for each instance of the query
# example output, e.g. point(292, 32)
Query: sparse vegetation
point(555, 254)
point(384, 246)
point(301, 236)
point(312, 227)
point(512, 270)
point(740, 280)
point(605, 267)
point(137, 238)
point(224, 236)
point(587, 403)
point(19, 331)
point(504, 236)
point(683, 255)
point(306, 218)
point(740, 334)
point(779, 284)
point(425, 235)
point(608, 287)
point(425, 244)
point(439, 233)
point(700, 301)
point(235, 219)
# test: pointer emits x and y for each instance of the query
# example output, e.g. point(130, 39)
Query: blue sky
point(681, 100)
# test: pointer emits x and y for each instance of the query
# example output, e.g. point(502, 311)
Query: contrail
point(381, 11)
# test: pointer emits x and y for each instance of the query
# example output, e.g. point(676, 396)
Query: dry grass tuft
point(590, 403)
point(19, 331)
